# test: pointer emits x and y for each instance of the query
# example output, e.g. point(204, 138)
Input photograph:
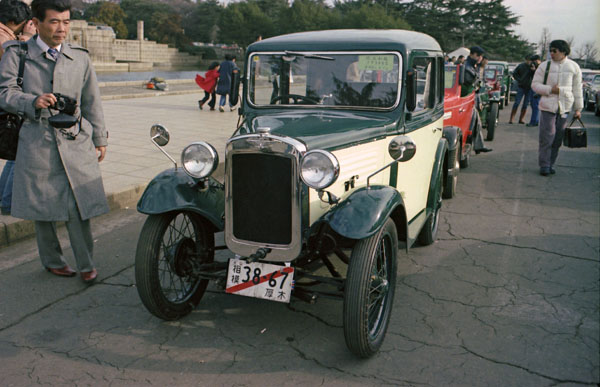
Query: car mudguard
point(173, 190)
point(438, 166)
point(365, 211)
point(451, 134)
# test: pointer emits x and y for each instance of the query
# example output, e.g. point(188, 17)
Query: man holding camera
point(57, 175)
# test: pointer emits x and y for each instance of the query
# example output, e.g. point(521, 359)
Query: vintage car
point(505, 78)
point(490, 99)
point(597, 104)
point(338, 161)
point(590, 85)
point(459, 112)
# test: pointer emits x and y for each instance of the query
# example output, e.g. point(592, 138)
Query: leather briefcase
point(575, 136)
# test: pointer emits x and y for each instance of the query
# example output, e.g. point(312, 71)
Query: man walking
point(57, 175)
point(535, 97)
point(523, 75)
point(558, 81)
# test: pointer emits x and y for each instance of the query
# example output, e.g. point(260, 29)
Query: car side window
point(426, 83)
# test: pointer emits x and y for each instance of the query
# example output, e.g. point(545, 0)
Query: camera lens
point(60, 104)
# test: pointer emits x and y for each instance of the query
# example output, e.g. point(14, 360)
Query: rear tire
point(428, 234)
point(452, 181)
point(369, 290)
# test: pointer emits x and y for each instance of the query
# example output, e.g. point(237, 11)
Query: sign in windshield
point(362, 80)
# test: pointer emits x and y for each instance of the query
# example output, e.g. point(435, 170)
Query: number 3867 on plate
point(260, 280)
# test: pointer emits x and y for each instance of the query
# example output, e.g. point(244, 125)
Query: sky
point(563, 18)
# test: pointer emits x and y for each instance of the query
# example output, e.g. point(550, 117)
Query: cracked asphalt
point(507, 296)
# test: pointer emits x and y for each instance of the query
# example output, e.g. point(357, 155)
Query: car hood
point(326, 130)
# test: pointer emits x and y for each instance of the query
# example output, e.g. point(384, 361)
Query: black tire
point(369, 290)
point(597, 109)
point(165, 252)
point(466, 160)
point(492, 121)
point(428, 234)
point(451, 181)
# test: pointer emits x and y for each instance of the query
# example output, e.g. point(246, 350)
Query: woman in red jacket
point(208, 83)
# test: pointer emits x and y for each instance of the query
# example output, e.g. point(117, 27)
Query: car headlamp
point(319, 169)
point(199, 159)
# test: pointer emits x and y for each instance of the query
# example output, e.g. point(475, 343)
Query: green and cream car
point(339, 160)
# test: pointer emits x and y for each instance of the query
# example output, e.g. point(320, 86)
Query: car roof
point(498, 62)
point(344, 40)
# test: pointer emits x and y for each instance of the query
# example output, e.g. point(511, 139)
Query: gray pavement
point(132, 160)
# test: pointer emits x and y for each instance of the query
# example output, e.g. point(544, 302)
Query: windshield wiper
point(310, 56)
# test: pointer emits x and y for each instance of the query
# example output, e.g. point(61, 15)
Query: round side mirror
point(159, 135)
point(402, 148)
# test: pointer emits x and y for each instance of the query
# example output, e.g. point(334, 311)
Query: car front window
point(361, 80)
point(449, 77)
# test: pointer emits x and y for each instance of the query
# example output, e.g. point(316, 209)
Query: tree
point(111, 14)
point(242, 22)
point(307, 15)
point(588, 52)
point(544, 42)
point(201, 23)
point(143, 10)
point(372, 16)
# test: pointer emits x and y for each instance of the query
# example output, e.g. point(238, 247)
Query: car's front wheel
point(429, 232)
point(452, 180)
point(492, 121)
point(170, 245)
point(369, 290)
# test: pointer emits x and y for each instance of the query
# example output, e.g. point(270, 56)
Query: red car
point(459, 112)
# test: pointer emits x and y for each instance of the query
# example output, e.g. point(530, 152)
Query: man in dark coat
point(227, 71)
point(57, 175)
point(523, 74)
point(470, 83)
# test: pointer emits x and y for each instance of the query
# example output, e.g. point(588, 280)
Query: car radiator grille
point(261, 190)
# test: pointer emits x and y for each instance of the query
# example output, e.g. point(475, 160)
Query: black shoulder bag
point(10, 124)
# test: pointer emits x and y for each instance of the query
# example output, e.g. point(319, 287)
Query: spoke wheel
point(369, 291)
point(169, 246)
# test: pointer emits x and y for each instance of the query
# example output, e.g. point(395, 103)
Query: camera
point(65, 104)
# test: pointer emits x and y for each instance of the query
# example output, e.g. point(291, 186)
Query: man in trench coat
point(57, 177)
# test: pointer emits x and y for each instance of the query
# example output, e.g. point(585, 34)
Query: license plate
point(260, 280)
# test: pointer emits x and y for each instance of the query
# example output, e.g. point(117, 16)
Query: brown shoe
point(89, 276)
point(62, 272)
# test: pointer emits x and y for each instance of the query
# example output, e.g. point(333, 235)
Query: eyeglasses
point(553, 50)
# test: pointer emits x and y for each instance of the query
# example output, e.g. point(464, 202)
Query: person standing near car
point(57, 175)
point(226, 73)
point(472, 66)
point(535, 97)
point(208, 84)
point(15, 23)
point(523, 75)
point(560, 92)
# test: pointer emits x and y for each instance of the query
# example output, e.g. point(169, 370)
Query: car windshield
point(449, 77)
point(363, 80)
point(489, 74)
point(587, 77)
point(597, 80)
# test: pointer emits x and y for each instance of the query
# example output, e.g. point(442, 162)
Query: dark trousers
point(213, 99)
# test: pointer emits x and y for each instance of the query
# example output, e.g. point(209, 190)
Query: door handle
point(434, 129)
point(461, 110)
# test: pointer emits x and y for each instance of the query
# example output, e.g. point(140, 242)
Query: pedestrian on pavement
point(15, 23)
point(460, 60)
point(227, 71)
point(523, 74)
point(535, 97)
point(208, 84)
point(57, 175)
point(560, 92)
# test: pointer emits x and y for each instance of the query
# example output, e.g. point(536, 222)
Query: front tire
point(169, 246)
point(452, 181)
point(369, 291)
point(492, 121)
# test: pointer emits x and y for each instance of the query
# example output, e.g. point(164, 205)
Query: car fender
point(438, 167)
point(452, 135)
point(173, 190)
point(365, 211)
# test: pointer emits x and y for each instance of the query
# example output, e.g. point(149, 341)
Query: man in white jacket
point(559, 83)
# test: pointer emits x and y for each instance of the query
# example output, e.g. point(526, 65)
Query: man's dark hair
point(476, 50)
point(534, 57)
point(39, 7)
point(213, 65)
point(561, 46)
point(14, 11)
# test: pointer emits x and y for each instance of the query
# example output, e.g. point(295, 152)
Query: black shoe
point(484, 150)
point(552, 171)
point(530, 125)
point(545, 171)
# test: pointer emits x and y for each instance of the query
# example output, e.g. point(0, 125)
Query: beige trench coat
point(47, 161)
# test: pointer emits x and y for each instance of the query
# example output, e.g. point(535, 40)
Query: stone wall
point(105, 48)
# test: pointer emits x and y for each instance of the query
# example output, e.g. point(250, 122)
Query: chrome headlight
point(319, 169)
point(199, 159)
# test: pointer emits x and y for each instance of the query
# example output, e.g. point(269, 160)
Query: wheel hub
point(180, 261)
